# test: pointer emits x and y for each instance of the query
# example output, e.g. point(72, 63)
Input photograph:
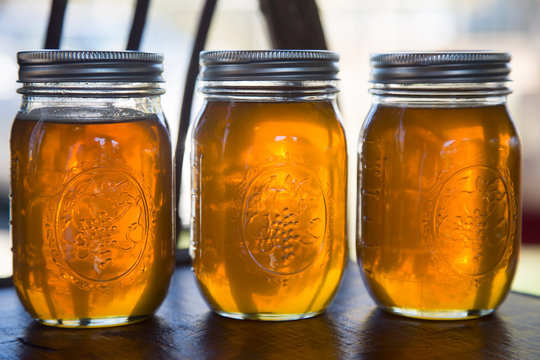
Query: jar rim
point(463, 66)
point(268, 65)
point(89, 66)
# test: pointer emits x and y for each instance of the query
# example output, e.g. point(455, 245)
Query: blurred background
point(355, 29)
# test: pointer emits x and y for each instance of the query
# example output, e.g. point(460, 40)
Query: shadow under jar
point(269, 179)
point(91, 180)
point(439, 188)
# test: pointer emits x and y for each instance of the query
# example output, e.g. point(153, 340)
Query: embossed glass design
point(91, 180)
point(439, 194)
point(269, 196)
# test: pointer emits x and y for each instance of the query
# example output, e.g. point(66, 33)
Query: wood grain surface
point(352, 328)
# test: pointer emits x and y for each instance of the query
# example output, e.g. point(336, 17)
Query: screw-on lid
point(440, 67)
point(268, 65)
point(91, 66)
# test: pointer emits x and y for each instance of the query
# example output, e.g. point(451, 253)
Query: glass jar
point(91, 188)
point(439, 190)
point(269, 179)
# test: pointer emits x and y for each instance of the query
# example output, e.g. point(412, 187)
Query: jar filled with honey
point(269, 180)
point(439, 188)
point(91, 180)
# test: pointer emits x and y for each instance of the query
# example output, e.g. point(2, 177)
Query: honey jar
point(269, 180)
point(439, 187)
point(91, 188)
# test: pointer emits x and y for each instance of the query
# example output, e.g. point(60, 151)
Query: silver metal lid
point(440, 67)
point(90, 66)
point(268, 65)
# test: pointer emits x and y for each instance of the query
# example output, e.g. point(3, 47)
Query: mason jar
point(91, 188)
point(269, 180)
point(439, 188)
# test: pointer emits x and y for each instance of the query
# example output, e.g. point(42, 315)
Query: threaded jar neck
point(284, 75)
point(90, 73)
point(448, 78)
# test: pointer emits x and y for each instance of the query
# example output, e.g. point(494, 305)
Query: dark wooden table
point(352, 328)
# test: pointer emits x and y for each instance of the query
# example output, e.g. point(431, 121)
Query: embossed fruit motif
point(472, 220)
point(285, 219)
point(102, 224)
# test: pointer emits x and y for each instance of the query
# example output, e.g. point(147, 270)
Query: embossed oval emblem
point(102, 224)
point(473, 219)
point(284, 219)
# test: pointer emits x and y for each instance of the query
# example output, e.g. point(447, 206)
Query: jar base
point(267, 316)
point(438, 315)
point(93, 322)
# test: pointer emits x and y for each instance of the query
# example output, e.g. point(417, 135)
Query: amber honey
point(269, 207)
point(439, 208)
point(91, 218)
